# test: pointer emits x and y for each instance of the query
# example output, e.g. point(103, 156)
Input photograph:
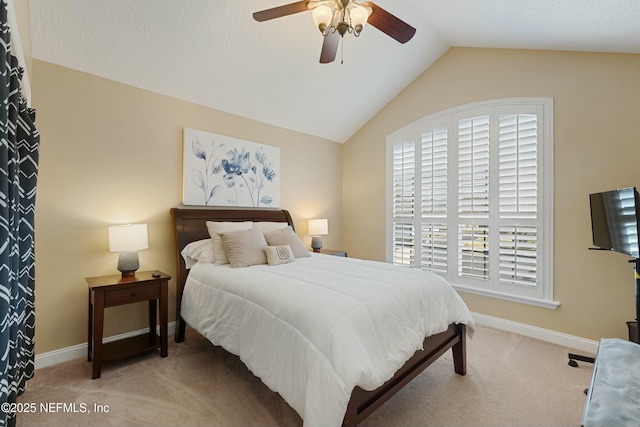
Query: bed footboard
point(363, 403)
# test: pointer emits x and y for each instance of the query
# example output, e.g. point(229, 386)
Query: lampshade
point(322, 16)
point(358, 16)
point(318, 227)
point(128, 240)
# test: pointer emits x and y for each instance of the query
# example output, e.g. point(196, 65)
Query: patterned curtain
point(19, 143)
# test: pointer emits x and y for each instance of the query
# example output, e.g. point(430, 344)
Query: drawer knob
point(133, 294)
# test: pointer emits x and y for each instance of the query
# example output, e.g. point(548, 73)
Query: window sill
point(538, 302)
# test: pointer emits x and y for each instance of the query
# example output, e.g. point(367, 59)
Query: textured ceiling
point(212, 52)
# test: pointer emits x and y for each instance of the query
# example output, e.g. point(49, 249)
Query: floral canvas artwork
point(223, 171)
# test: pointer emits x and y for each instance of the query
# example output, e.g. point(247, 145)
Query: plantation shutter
point(518, 198)
point(470, 196)
point(404, 202)
point(473, 197)
point(434, 188)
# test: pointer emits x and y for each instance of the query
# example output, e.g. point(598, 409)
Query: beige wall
point(110, 154)
point(597, 148)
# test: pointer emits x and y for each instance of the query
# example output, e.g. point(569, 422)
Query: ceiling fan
point(335, 18)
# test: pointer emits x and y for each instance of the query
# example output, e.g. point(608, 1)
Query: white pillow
point(266, 226)
point(198, 251)
point(215, 228)
point(279, 254)
point(286, 236)
point(244, 247)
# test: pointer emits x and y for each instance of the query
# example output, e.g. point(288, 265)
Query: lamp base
point(316, 243)
point(128, 263)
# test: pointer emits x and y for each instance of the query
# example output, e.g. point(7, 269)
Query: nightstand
point(111, 291)
point(333, 252)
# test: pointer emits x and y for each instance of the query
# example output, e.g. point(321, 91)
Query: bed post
point(181, 273)
point(460, 350)
point(180, 329)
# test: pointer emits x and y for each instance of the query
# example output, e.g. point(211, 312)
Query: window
point(470, 197)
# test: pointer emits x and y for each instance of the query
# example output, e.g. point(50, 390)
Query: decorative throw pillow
point(279, 254)
point(286, 236)
point(244, 247)
point(215, 228)
point(266, 226)
point(198, 251)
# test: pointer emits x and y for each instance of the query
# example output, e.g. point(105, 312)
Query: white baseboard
point(54, 357)
point(571, 341)
point(588, 346)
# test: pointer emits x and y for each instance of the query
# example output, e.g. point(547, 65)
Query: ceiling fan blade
point(277, 12)
point(329, 47)
point(389, 24)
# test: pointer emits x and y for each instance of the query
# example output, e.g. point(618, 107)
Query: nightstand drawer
point(129, 295)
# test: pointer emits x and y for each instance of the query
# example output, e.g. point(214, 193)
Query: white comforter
point(314, 329)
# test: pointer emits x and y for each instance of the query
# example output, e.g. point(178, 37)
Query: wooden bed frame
point(190, 225)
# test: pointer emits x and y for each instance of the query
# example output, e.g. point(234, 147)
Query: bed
point(331, 392)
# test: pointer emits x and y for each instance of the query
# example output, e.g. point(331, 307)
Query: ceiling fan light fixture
point(358, 15)
point(347, 16)
point(322, 17)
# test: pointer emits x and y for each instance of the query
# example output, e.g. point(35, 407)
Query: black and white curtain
point(19, 143)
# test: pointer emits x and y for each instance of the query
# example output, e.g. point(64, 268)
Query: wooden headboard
point(190, 224)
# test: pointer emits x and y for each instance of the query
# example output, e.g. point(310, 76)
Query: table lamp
point(128, 240)
point(317, 228)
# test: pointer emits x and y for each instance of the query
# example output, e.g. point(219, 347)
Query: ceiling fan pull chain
point(342, 52)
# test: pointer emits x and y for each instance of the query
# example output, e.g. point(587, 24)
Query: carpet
point(511, 381)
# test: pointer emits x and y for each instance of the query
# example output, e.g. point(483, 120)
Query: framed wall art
point(220, 170)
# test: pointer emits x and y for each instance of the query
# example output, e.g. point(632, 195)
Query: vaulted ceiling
point(212, 52)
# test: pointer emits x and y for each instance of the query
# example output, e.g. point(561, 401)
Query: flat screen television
point(614, 220)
